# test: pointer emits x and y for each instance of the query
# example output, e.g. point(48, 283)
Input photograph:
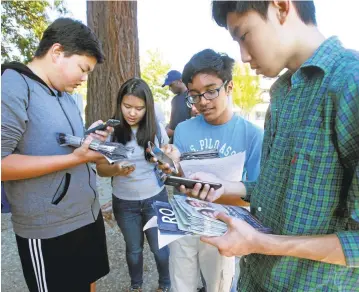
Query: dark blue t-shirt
point(180, 111)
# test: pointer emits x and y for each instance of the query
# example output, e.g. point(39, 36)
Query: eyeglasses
point(189, 105)
point(210, 94)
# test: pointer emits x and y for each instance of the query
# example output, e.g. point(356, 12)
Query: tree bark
point(115, 24)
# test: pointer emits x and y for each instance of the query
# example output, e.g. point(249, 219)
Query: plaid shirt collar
point(331, 49)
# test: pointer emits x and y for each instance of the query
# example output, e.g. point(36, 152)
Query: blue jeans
point(131, 216)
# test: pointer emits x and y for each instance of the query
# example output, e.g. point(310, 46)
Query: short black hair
point(74, 37)
point(208, 61)
point(220, 10)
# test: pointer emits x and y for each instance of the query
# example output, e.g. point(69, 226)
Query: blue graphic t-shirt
point(235, 136)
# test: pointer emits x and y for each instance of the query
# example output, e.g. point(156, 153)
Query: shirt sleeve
point(252, 164)
point(177, 140)
point(349, 239)
point(347, 130)
point(250, 185)
point(14, 102)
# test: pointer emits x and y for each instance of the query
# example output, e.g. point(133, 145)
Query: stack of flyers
point(198, 217)
point(189, 216)
point(166, 223)
point(198, 155)
point(166, 219)
point(113, 152)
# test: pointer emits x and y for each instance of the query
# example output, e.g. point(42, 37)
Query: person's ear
point(282, 9)
point(229, 87)
point(56, 51)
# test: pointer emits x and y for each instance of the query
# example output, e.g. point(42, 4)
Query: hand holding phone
point(189, 183)
point(128, 165)
point(125, 168)
point(162, 158)
point(205, 192)
point(110, 123)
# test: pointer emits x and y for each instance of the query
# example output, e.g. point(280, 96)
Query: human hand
point(240, 238)
point(85, 154)
point(123, 170)
point(100, 134)
point(172, 152)
point(206, 193)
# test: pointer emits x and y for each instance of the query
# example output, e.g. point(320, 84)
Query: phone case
point(103, 126)
point(188, 183)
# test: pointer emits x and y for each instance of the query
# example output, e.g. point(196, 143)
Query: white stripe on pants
point(38, 264)
point(189, 256)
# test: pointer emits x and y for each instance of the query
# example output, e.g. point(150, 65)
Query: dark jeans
point(131, 216)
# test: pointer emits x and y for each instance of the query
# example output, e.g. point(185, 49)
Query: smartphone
point(103, 126)
point(161, 156)
point(188, 183)
point(128, 165)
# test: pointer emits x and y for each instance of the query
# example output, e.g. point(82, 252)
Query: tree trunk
point(115, 23)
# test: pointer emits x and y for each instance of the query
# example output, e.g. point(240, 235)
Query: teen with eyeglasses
point(208, 77)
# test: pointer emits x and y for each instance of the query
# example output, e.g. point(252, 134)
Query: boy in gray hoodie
point(51, 189)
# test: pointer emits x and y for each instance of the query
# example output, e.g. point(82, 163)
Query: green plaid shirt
point(301, 174)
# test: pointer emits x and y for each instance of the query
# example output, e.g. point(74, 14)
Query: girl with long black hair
point(136, 187)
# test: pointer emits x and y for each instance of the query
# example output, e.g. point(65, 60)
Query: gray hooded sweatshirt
point(31, 115)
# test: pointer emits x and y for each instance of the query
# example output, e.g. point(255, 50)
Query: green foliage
point(154, 70)
point(246, 91)
point(22, 25)
point(60, 7)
